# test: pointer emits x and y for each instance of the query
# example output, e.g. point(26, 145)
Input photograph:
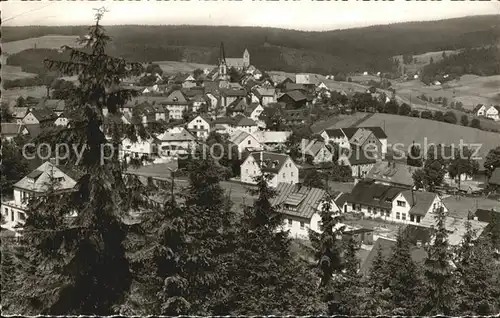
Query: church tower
point(222, 63)
point(246, 59)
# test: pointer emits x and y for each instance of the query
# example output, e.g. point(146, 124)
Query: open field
point(406, 130)
point(14, 93)
point(172, 67)
point(43, 42)
point(424, 59)
point(10, 72)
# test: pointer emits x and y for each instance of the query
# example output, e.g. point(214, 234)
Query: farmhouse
point(62, 120)
point(358, 136)
point(36, 183)
point(493, 113)
point(280, 167)
point(265, 96)
point(174, 143)
point(301, 207)
point(293, 99)
point(480, 110)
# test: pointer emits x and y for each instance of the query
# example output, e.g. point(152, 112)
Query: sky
point(309, 15)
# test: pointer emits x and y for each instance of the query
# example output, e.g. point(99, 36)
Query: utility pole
point(172, 183)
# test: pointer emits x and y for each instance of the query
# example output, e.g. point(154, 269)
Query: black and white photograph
point(250, 158)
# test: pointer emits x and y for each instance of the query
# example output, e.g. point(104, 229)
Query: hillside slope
point(369, 48)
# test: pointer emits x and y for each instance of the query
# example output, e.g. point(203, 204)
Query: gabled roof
point(33, 130)
point(386, 247)
point(294, 86)
point(238, 137)
point(272, 162)
point(497, 108)
point(495, 177)
point(261, 92)
point(39, 179)
point(184, 135)
point(19, 112)
point(455, 227)
point(297, 200)
point(54, 104)
point(360, 136)
point(205, 118)
point(44, 114)
point(393, 172)
point(477, 108)
point(377, 131)
point(419, 201)
point(296, 96)
point(375, 195)
point(11, 129)
point(238, 105)
point(224, 120)
point(335, 133)
point(312, 147)
point(359, 156)
point(250, 108)
point(246, 122)
point(176, 97)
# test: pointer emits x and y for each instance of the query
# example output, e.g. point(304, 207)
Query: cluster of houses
point(492, 111)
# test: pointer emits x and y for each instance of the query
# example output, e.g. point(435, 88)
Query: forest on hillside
point(351, 50)
point(480, 61)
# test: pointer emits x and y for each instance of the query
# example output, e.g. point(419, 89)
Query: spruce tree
point(404, 279)
point(80, 263)
point(265, 278)
point(377, 283)
point(477, 280)
point(439, 296)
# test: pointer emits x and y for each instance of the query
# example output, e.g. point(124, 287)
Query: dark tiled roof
point(233, 92)
point(495, 177)
point(419, 201)
point(372, 194)
point(416, 233)
point(297, 200)
point(272, 162)
point(246, 122)
point(296, 96)
point(335, 133)
point(238, 105)
point(44, 114)
point(33, 130)
point(477, 108)
point(342, 199)
point(11, 128)
point(360, 157)
point(393, 172)
point(294, 86)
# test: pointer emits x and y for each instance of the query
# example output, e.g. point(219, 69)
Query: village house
point(189, 81)
point(56, 105)
point(280, 167)
point(253, 111)
point(36, 183)
point(273, 140)
point(224, 125)
point(176, 104)
point(293, 99)
point(230, 95)
point(247, 125)
point(176, 142)
point(42, 116)
point(492, 112)
point(301, 207)
point(211, 100)
point(19, 113)
point(237, 107)
point(360, 161)
point(392, 173)
point(317, 150)
point(265, 96)
point(392, 203)
point(62, 120)
point(197, 102)
point(140, 149)
point(12, 130)
point(200, 126)
point(244, 141)
point(345, 136)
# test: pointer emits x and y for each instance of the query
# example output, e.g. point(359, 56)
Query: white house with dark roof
point(356, 135)
point(142, 148)
point(392, 173)
point(247, 125)
point(244, 141)
point(42, 116)
point(176, 104)
point(301, 207)
point(36, 183)
point(493, 112)
point(391, 203)
point(176, 142)
point(280, 167)
point(264, 96)
point(200, 126)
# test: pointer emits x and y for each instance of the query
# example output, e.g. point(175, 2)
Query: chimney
point(413, 197)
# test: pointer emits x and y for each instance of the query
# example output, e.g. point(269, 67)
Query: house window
point(12, 215)
point(283, 175)
point(246, 170)
point(249, 141)
point(401, 203)
point(398, 215)
point(291, 174)
point(20, 216)
point(418, 218)
point(403, 216)
point(301, 225)
point(412, 218)
point(290, 222)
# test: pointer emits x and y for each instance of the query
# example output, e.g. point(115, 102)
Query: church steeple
point(222, 62)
